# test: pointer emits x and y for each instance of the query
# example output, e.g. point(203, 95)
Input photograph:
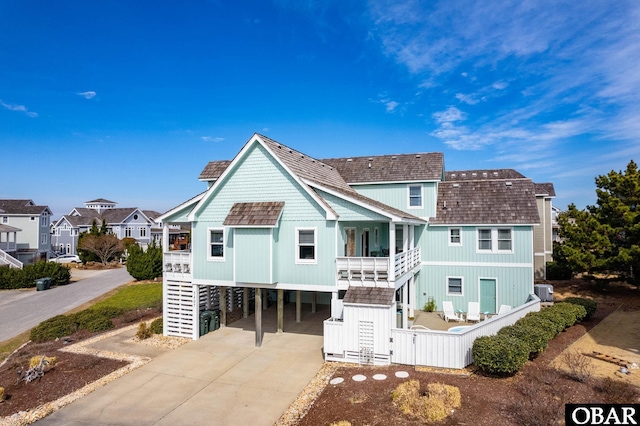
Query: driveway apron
point(221, 379)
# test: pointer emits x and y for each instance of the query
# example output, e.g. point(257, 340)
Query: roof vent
point(495, 174)
point(484, 174)
point(508, 183)
point(464, 175)
point(349, 160)
point(453, 175)
point(456, 185)
point(369, 164)
point(393, 157)
point(474, 174)
point(418, 156)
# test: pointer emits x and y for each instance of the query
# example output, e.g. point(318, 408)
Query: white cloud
point(449, 115)
point(500, 85)
point(471, 99)
point(391, 105)
point(90, 94)
point(212, 139)
point(18, 108)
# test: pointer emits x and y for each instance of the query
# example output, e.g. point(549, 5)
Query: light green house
point(275, 222)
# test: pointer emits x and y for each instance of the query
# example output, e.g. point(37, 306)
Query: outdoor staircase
point(7, 259)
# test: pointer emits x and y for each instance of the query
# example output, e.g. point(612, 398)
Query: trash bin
point(215, 320)
point(43, 284)
point(205, 319)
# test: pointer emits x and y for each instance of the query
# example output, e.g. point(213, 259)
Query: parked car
point(66, 258)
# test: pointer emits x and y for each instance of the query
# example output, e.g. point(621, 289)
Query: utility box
point(544, 292)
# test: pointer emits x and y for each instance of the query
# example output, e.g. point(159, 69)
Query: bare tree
point(107, 247)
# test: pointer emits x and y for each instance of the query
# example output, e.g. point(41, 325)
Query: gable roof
point(390, 168)
point(260, 214)
point(487, 202)
point(100, 201)
point(214, 169)
point(546, 188)
point(369, 296)
point(26, 207)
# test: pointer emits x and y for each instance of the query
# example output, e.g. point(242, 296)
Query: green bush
point(144, 264)
point(96, 319)
point(500, 354)
point(535, 337)
point(589, 305)
point(571, 312)
point(557, 271)
point(13, 278)
point(156, 326)
point(99, 323)
point(540, 323)
point(556, 319)
point(53, 328)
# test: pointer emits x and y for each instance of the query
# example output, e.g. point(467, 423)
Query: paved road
point(21, 310)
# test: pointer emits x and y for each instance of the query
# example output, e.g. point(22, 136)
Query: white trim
point(409, 206)
point(313, 261)
point(451, 277)
point(475, 264)
point(451, 244)
point(496, 287)
point(209, 243)
point(395, 182)
point(268, 286)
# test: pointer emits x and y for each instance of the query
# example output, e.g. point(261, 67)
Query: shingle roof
point(21, 207)
point(254, 214)
point(546, 188)
point(458, 175)
point(486, 202)
point(390, 168)
point(370, 296)
point(7, 228)
point(214, 169)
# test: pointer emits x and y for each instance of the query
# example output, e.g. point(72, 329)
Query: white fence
point(7, 259)
point(430, 348)
point(177, 265)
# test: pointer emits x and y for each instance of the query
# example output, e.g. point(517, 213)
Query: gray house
point(123, 222)
point(24, 232)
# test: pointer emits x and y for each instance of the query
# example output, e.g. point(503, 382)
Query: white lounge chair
point(473, 312)
point(448, 313)
point(504, 309)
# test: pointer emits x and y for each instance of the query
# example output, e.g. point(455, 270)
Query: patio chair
point(448, 313)
point(473, 312)
point(504, 309)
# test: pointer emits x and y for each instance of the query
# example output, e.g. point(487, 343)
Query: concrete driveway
point(221, 379)
point(21, 310)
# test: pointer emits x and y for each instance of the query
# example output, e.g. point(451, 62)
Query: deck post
point(265, 299)
point(280, 311)
point(313, 302)
point(258, 314)
point(298, 306)
point(412, 296)
point(223, 307)
point(405, 303)
point(245, 302)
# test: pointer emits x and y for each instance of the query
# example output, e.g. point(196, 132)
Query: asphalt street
point(21, 310)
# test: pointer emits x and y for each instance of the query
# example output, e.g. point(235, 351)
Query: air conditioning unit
point(544, 292)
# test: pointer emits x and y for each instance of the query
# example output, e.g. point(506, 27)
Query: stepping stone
point(379, 377)
point(402, 374)
point(359, 378)
point(336, 381)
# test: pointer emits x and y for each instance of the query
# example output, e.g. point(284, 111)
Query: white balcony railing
point(177, 264)
point(375, 271)
point(7, 259)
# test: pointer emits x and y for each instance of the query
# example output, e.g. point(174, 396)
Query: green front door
point(487, 295)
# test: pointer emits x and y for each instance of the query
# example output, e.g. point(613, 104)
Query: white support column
point(258, 315)
point(165, 237)
point(412, 296)
point(314, 297)
point(392, 243)
point(298, 306)
point(245, 302)
point(405, 305)
point(223, 307)
point(405, 238)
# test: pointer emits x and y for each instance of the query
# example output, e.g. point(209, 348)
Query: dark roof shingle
point(254, 214)
point(546, 188)
point(370, 296)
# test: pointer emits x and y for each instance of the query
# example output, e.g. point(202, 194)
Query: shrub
point(540, 323)
point(499, 354)
point(580, 367)
point(13, 278)
point(439, 401)
point(556, 319)
point(156, 326)
point(48, 361)
point(144, 264)
point(143, 332)
point(535, 337)
point(557, 271)
point(95, 319)
point(571, 312)
point(430, 306)
point(406, 396)
point(53, 328)
point(589, 305)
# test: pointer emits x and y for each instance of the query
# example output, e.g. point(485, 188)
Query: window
point(495, 240)
point(68, 248)
point(504, 239)
point(32, 218)
point(376, 237)
point(454, 286)
point(455, 237)
point(142, 231)
point(128, 231)
point(415, 196)
point(216, 244)
point(74, 232)
point(5, 219)
point(44, 220)
point(306, 246)
point(484, 239)
point(44, 238)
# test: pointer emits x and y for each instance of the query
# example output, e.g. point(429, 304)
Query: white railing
point(406, 261)
point(176, 265)
point(375, 271)
point(7, 259)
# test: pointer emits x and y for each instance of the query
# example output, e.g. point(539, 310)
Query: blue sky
point(129, 100)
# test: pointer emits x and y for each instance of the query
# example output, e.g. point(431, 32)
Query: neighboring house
point(555, 233)
point(276, 222)
point(24, 232)
point(127, 222)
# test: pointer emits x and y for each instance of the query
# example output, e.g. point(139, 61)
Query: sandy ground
point(618, 335)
